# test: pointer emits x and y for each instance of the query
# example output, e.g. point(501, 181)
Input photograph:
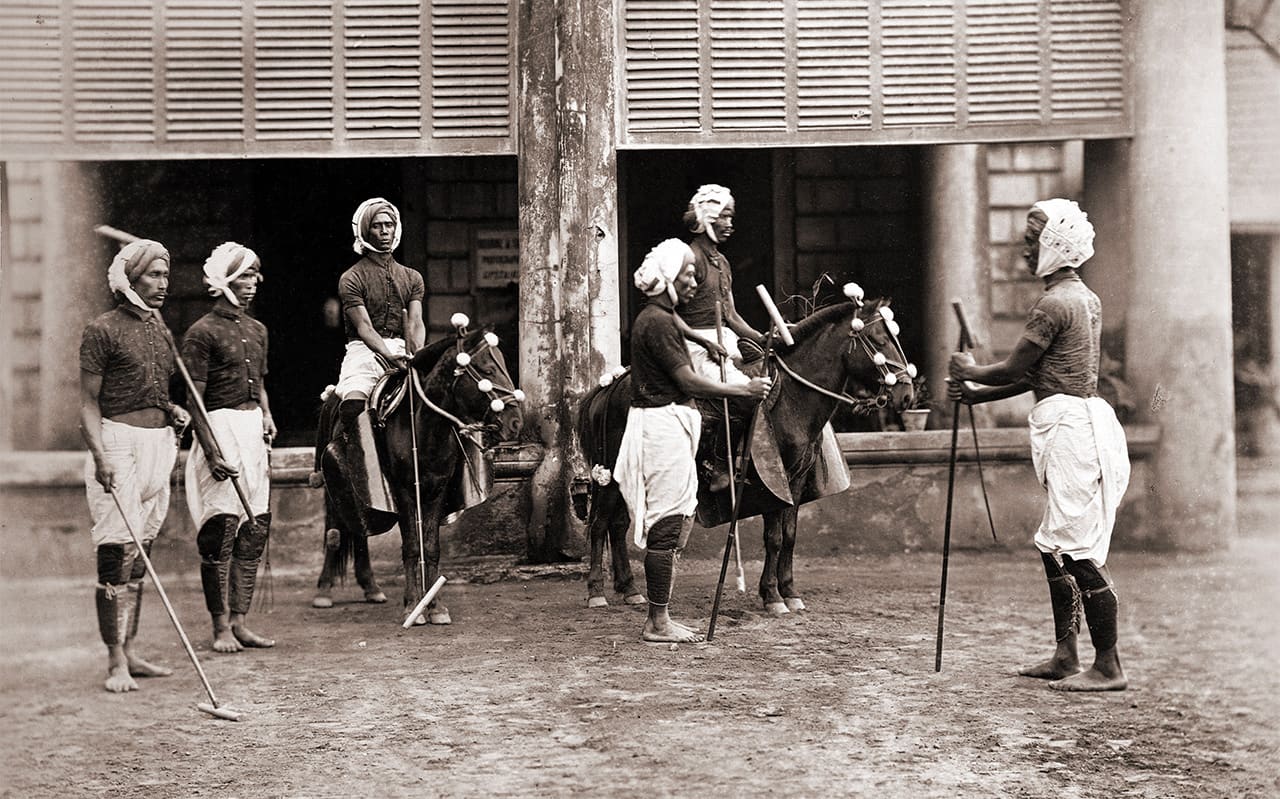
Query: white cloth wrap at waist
point(143, 459)
point(361, 368)
point(656, 469)
point(1081, 457)
point(239, 435)
point(706, 366)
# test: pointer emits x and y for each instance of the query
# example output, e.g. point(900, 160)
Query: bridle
point(893, 368)
point(499, 396)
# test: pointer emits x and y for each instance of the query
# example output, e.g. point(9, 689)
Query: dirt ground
point(531, 693)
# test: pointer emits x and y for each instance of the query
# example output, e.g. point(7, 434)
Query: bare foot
point(225, 641)
point(249, 638)
point(119, 681)
point(1052, 669)
point(669, 633)
point(141, 668)
point(1091, 680)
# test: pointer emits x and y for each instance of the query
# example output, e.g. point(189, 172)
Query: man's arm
point(358, 315)
point(1011, 370)
point(220, 469)
point(710, 346)
point(91, 428)
point(971, 394)
point(739, 325)
point(696, 385)
point(415, 333)
point(268, 423)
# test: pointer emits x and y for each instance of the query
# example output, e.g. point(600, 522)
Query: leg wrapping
point(215, 541)
point(660, 558)
point(1101, 604)
point(133, 598)
point(245, 557)
point(1065, 597)
point(114, 565)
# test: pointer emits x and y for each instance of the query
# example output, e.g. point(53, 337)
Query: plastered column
point(958, 255)
point(1178, 325)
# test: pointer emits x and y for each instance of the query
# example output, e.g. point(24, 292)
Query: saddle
point(387, 394)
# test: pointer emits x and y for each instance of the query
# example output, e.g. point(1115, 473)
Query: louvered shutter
point(293, 78)
point(660, 54)
point(748, 64)
point(470, 68)
point(113, 71)
point(383, 48)
point(31, 99)
point(204, 70)
point(1088, 58)
point(1003, 65)
point(789, 72)
point(833, 64)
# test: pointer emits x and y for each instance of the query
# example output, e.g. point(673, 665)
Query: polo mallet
point(422, 603)
point(781, 328)
point(213, 707)
point(951, 485)
point(728, 444)
point(411, 389)
point(966, 333)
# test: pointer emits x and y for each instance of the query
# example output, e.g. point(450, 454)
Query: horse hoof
point(375, 596)
point(635, 599)
point(776, 608)
point(440, 617)
point(420, 620)
point(597, 602)
point(322, 602)
point(794, 603)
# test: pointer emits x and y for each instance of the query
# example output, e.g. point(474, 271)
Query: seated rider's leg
point(1065, 598)
point(246, 556)
point(713, 453)
point(365, 468)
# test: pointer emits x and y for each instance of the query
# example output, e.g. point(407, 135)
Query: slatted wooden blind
point(797, 72)
point(192, 78)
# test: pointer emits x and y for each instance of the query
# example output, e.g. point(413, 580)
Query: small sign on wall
point(495, 257)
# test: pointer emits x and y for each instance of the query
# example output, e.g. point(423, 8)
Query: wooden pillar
point(72, 292)
point(1178, 336)
point(958, 260)
point(569, 247)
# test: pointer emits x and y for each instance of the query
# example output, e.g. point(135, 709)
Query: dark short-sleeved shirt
point(127, 347)
point(715, 282)
point(385, 292)
point(1067, 322)
point(657, 350)
point(227, 351)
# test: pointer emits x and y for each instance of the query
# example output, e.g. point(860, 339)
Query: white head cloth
point(227, 262)
point(661, 267)
point(1067, 238)
point(707, 203)
point(129, 263)
point(363, 217)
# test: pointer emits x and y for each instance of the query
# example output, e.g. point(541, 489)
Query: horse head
point(471, 372)
point(877, 366)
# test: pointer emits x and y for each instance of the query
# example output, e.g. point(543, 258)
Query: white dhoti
point(656, 470)
point(239, 436)
point(707, 366)
point(143, 458)
point(1081, 457)
point(361, 368)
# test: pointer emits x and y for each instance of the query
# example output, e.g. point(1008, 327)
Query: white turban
point(707, 203)
point(129, 264)
point(227, 262)
point(661, 267)
point(363, 217)
point(1067, 238)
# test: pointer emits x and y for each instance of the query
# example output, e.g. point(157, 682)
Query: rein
point(858, 405)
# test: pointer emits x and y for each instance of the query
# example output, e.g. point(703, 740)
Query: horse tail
point(324, 426)
point(601, 419)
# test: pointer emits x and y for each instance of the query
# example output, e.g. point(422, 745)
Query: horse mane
point(426, 358)
point(821, 319)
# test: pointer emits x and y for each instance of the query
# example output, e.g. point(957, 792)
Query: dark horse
point(845, 353)
point(465, 394)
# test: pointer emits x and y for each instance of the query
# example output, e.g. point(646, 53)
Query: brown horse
point(463, 396)
point(845, 353)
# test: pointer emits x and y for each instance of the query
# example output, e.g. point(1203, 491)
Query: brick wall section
point(20, 320)
point(1019, 176)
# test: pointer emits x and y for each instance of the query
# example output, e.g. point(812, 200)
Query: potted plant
point(916, 416)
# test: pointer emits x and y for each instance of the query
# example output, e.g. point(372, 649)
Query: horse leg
point(769, 595)
point(624, 581)
point(786, 579)
point(597, 532)
point(364, 571)
point(415, 576)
